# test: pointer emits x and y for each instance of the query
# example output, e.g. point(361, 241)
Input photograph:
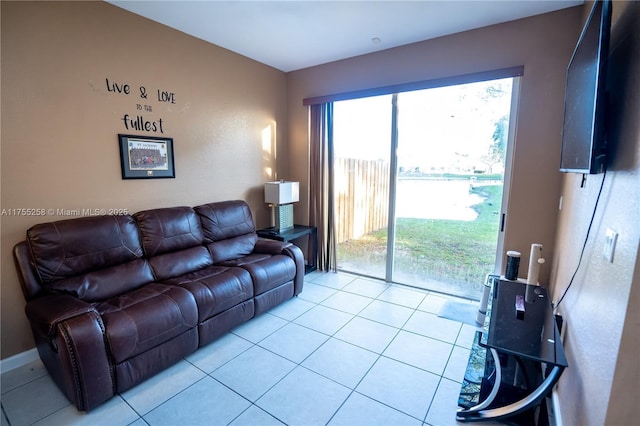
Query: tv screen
point(583, 132)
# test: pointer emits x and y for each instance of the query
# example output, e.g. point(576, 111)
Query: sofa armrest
point(46, 312)
point(266, 246)
point(27, 273)
point(72, 344)
point(294, 252)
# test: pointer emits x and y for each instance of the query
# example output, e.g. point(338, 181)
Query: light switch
point(610, 244)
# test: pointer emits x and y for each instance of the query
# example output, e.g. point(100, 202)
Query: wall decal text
point(136, 121)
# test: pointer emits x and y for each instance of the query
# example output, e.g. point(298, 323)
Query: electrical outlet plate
point(610, 244)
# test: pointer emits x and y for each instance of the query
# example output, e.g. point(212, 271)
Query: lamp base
point(283, 215)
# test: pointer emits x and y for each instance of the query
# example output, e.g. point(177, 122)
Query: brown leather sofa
point(113, 300)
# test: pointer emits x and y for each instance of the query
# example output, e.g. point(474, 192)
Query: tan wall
point(60, 123)
point(543, 44)
point(601, 385)
point(59, 150)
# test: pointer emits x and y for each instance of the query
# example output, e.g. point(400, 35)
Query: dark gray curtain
point(321, 196)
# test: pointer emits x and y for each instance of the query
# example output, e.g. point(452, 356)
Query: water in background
point(436, 199)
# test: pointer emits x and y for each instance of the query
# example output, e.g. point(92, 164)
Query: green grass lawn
point(453, 251)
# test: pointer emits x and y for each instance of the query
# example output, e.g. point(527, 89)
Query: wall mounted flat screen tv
point(584, 147)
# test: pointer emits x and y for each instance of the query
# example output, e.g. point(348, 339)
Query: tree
point(499, 146)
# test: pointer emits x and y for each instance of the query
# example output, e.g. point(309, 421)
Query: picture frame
point(146, 157)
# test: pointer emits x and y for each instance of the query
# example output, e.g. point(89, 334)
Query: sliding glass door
point(362, 157)
point(419, 181)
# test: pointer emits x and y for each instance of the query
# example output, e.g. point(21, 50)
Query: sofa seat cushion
point(147, 317)
point(267, 271)
point(216, 288)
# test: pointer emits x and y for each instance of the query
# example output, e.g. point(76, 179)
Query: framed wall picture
point(146, 157)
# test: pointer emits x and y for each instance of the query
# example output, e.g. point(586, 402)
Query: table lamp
point(281, 195)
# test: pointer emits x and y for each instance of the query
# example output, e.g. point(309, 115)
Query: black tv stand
point(515, 360)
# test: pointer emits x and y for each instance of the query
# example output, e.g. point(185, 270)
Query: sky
point(436, 127)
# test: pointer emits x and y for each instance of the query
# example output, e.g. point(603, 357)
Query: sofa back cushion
point(228, 228)
point(173, 241)
point(232, 248)
point(90, 257)
point(168, 230)
point(174, 264)
point(105, 283)
point(226, 219)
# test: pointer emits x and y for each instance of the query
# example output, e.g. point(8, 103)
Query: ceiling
point(296, 34)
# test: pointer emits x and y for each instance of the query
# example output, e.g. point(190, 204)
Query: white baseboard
point(19, 360)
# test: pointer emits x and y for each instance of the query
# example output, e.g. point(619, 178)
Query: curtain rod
point(418, 85)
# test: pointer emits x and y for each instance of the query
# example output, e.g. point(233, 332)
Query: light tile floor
point(347, 351)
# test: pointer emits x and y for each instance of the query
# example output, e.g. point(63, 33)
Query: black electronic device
point(584, 147)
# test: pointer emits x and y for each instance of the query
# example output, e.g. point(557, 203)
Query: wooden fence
point(362, 197)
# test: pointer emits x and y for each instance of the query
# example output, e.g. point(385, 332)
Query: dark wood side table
point(295, 233)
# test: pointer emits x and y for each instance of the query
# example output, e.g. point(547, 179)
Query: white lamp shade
point(281, 192)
